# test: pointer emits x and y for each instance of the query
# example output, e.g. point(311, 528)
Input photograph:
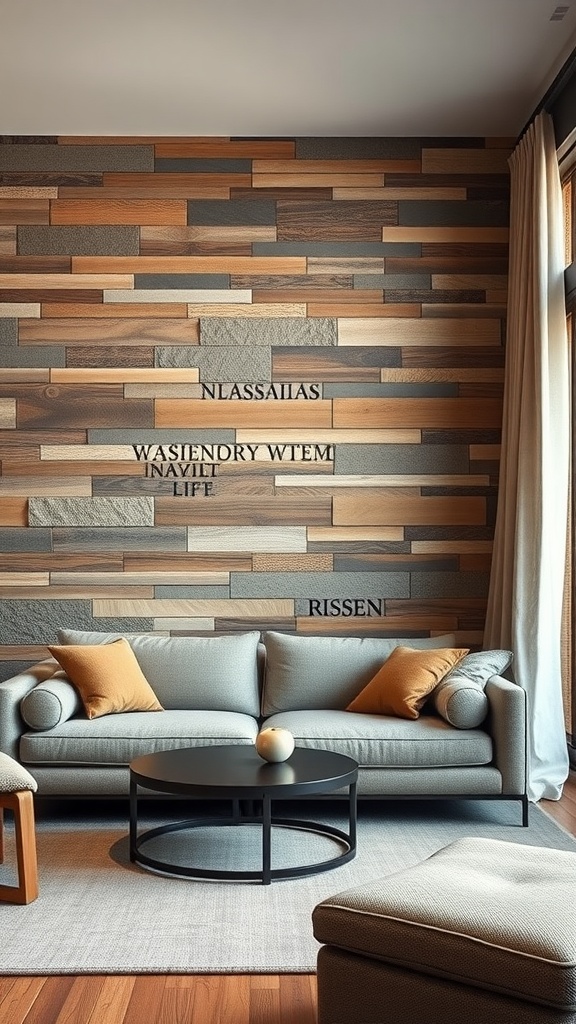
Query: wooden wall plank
point(88, 331)
point(189, 264)
point(469, 331)
point(247, 511)
point(391, 233)
point(451, 413)
point(197, 413)
point(13, 512)
point(378, 510)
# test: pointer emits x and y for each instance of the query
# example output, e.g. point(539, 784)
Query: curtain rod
point(560, 82)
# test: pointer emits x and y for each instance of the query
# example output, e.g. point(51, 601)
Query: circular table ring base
point(291, 872)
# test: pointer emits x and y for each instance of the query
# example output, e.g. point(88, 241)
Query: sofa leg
point(525, 806)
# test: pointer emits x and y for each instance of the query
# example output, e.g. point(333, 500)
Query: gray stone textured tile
point(388, 390)
point(449, 584)
point(186, 281)
point(224, 363)
point(319, 584)
point(163, 538)
point(336, 249)
point(401, 458)
point(344, 148)
point(231, 211)
point(133, 511)
point(37, 622)
point(447, 213)
point(19, 538)
point(192, 593)
point(92, 159)
point(202, 165)
point(30, 356)
point(397, 281)
point(8, 332)
point(286, 330)
point(79, 240)
point(160, 435)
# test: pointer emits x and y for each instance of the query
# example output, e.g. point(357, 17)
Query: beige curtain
point(527, 579)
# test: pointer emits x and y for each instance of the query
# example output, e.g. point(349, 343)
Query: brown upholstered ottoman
point(482, 932)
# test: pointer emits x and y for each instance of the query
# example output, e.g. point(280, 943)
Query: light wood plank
point(19, 999)
point(165, 191)
point(7, 413)
point(356, 626)
point(114, 309)
point(481, 452)
point(24, 652)
point(51, 593)
point(344, 534)
point(20, 375)
point(28, 192)
point(436, 332)
point(25, 486)
point(362, 436)
point(329, 180)
point(118, 211)
point(293, 563)
point(267, 539)
point(197, 413)
point(67, 281)
point(19, 309)
point(364, 309)
point(450, 547)
point(375, 509)
point(446, 413)
point(393, 233)
point(24, 579)
point(112, 1000)
point(7, 240)
point(173, 608)
point(13, 512)
point(263, 309)
point(80, 332)
point(425, 374)
point(189, 264)
point(127, 375)
point(204, 625)
point(231, 233)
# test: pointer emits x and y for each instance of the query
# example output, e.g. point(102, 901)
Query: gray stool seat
point(16, 788)
point(490, 921)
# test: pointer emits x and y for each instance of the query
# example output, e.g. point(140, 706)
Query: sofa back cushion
point(192, 673)
point(314, 672)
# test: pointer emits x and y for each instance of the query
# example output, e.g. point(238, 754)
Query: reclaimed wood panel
point(391, 233)
point(24, 211)
point(189, 264)
point(65, 281)
point(379, 510)
point(438, 332)
point(118, 332)
point(127, 375)
point(249, 511)
point(465, 161)
point(118, 211)
point(13, 512)
point(450, 413)
point(197, 413)
point(113, 310)
point(174, 608)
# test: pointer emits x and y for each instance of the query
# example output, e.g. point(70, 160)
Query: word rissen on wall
point(192, 467)
point(346, 607)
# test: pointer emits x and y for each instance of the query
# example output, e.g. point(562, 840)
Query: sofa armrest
point(508, 728)
point(12, 691)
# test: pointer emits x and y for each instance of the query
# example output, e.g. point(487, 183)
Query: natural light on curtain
point(527, 580)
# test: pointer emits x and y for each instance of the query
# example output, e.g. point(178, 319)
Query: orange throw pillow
point(107, 677)
point(405, 680)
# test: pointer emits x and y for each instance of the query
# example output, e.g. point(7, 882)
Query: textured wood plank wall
point(316, 325)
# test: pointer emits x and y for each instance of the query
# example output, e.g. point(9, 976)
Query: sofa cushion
point(107, 677)
point(118, 739)
point(193, 672)
point(379, 741)
point(460, 696)
point(403, 682)
point(51, 702)
point(304, 672)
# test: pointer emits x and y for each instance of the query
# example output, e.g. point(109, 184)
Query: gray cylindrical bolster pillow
point(50, 703)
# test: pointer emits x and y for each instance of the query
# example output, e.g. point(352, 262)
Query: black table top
point(236, 770)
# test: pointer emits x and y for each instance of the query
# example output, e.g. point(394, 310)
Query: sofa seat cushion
point(381, 741)
point(118, 739)
point(484, 912)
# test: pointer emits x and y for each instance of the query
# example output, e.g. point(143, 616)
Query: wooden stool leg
point(22, 804)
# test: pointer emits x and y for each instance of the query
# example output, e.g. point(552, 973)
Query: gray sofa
point(223, 689)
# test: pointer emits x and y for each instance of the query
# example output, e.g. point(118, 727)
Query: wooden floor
point(186, 999)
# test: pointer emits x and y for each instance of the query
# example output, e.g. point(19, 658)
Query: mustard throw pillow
point(107, 677)
point(404, 681)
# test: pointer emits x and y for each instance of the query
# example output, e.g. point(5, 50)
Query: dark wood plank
point(50, 295)
point(35, 264)
point(344, 220)
point(91, 406)
point(452, 356)
point(446, 264)
point(117, 356)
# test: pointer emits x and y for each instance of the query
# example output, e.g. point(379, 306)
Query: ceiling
point(278, 67)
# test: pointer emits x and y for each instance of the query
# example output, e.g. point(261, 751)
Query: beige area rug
point(98, 913)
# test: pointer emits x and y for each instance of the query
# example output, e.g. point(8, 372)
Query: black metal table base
point(266, 821)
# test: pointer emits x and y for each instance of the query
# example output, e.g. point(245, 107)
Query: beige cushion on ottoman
point(493, 915)
point(13, 777)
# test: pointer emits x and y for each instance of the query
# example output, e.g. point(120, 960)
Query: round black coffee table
point(235, 772)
